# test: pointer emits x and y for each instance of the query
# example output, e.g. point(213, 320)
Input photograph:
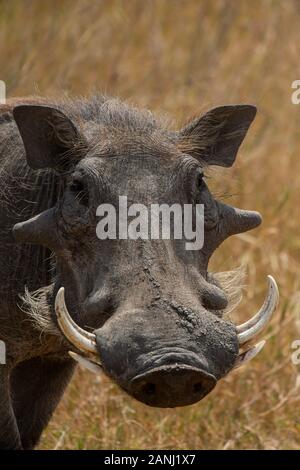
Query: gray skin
point(155, 309)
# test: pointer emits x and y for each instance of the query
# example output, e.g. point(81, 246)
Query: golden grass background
point(181, 57)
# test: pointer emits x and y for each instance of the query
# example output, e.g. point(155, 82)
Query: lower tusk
point(86, 363)
point(81, 339)
point(255, 325)
point(246, 356)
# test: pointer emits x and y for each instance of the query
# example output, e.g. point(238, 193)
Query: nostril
point(197, 387)
point(172, 385)
point(149, 388)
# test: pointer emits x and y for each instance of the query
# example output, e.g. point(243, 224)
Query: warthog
point(147, 311)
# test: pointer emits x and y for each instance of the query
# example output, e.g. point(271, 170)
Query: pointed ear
point(48, 135)
point(216, 137)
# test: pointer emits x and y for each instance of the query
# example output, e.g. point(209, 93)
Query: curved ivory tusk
point(246, 356)
point(255, 325)
point(81, 339)
point(83, 361)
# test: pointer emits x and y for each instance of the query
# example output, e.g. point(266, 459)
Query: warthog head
point(144, 310)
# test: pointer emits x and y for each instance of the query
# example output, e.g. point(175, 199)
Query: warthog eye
point(77, 187)
point(200, 179)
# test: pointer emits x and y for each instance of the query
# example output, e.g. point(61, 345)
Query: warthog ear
point(216, 137)
point(49, 136)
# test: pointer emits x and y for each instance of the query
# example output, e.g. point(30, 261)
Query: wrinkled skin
point(155, 309)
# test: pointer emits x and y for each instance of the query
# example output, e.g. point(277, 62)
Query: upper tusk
point(81, 339)
point(256, 324)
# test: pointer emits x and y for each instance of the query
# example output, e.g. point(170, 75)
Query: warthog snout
point(166, 356)
point(156, 360)
point(172, 385)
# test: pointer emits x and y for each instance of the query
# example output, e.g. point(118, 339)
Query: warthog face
point(146, 311)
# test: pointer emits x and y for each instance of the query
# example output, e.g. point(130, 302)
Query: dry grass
point(181, 57)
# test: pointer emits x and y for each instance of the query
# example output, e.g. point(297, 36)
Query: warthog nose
point(172, 385)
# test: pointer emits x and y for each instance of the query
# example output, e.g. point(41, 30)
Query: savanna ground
point(182, 57)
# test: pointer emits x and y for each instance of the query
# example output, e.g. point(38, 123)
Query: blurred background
point(179, 58)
